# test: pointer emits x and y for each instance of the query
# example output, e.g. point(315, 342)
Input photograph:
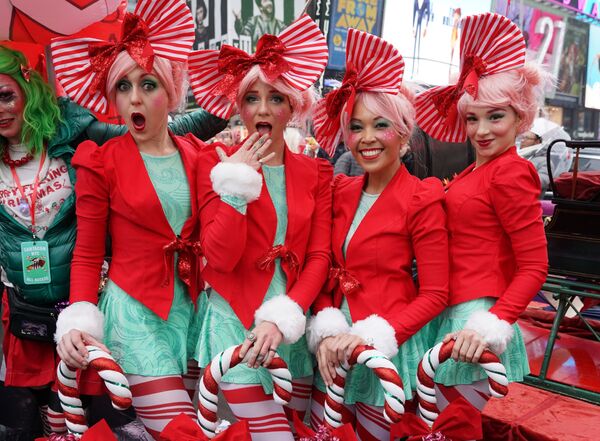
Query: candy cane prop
point(388, 376)
point(208, 385)
point(68, 393)
point(428, 410)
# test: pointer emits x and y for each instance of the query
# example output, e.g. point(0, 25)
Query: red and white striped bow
point(157, 27)
point(372, 65)
point(490, 43)
point(298, 56)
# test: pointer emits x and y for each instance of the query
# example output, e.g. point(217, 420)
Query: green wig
point(41, 114)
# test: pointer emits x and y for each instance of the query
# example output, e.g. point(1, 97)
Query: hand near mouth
point(252, 152)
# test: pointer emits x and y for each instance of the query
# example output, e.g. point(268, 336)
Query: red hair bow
point(298, 56)
point(372, 65)
point(490, 43)
point(163, 28)
point(460, 421)
point(183, 428)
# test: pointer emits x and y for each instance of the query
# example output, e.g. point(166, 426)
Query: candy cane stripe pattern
point(109, 371)
point(208, 386)
point(388, 376)
point(428, 410)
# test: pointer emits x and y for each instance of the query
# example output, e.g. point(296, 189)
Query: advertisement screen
point(573, 59)
point(592, 88)
point(427, 34)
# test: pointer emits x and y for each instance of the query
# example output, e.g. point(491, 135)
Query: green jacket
point(78, 126)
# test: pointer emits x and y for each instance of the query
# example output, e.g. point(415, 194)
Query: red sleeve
point(514, 194)
point(427, 227)
point(92, 206)
point(223, 228)
point(318, 256)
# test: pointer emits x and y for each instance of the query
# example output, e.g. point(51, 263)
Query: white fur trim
point(377, 332)
point(328, 322)
point(84, 316)
point(236, 179)
point(286, 314)
point(495, 331)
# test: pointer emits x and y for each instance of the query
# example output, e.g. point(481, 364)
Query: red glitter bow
point(347, 282)
point(234, 63)
point(335, 100)
point(447, 100)
point(98, 432)
point(183, 428)
point(134, 40)
point(287, 257)
point(26, 72)
point(460, 421)
point(187, 250)
point(324, 433)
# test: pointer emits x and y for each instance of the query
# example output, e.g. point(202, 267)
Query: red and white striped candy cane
point(388, 376)
point(208, 386)
point(428, 410)
point(68, 393)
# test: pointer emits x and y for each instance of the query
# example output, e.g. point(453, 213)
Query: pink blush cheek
point(388, 134)
point(246, 115)
point(353, 139)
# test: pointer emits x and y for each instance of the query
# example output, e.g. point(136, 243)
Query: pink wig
point(520, 89)
point(398, 109)
point(301, 102)
point(170, 73)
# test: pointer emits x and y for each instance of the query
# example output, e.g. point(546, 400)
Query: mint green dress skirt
point(222, 328)
point(140, 341)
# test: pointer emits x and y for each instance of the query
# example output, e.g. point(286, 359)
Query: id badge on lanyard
point(35, 254)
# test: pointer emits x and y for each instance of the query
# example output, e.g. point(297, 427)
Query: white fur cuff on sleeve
point(286, 314)
point(496, 332)
point(84, 316)
point(328, 322)
point(236, 179)
point(377, 332)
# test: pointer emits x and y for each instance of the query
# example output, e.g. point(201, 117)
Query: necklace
point(15, 162)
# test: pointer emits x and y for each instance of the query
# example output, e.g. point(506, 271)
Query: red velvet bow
point(183, 428)
point(98, 432)
point(305, 433)
point(186, 252)
point(234, 63)
point(348, 283)
point(446, 101)
point(134, 40)
point(279, 251)
point(460, 421)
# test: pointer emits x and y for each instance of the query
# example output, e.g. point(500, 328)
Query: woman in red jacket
point(265, 216)
point(140, 189)
point(382, 221)
point(498, 258)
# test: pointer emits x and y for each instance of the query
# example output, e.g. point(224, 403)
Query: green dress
point(221, 328)
point(453, 319)
point(362, 385)
point(141, 342)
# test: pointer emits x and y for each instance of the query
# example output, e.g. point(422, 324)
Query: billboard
point(427, 34)
point(592, 87)
point(573, 60)
point(364, 15)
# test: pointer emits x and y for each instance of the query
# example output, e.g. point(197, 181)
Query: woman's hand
point(261, 343)
point(71, 348)
point(333, 351)
point(468, 347)
point(253, 152)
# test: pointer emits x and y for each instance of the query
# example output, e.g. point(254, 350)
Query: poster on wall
point(427, 34)
point(592, 88)
point(240, 23)
point(364, 15)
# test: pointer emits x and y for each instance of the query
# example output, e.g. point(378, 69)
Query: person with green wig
point(38, 137)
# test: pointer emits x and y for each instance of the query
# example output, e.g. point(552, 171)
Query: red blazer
point(234, 243)
point(497, 240)
point(115, 195)
point(406, 222)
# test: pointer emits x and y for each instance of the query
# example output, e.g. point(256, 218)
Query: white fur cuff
point(496, 332)
point(328, 322)
point(236, 179)
point(286, 314)
point(377, 332)
point(84, 316)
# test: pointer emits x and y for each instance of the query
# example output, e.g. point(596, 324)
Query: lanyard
point(34, 195)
